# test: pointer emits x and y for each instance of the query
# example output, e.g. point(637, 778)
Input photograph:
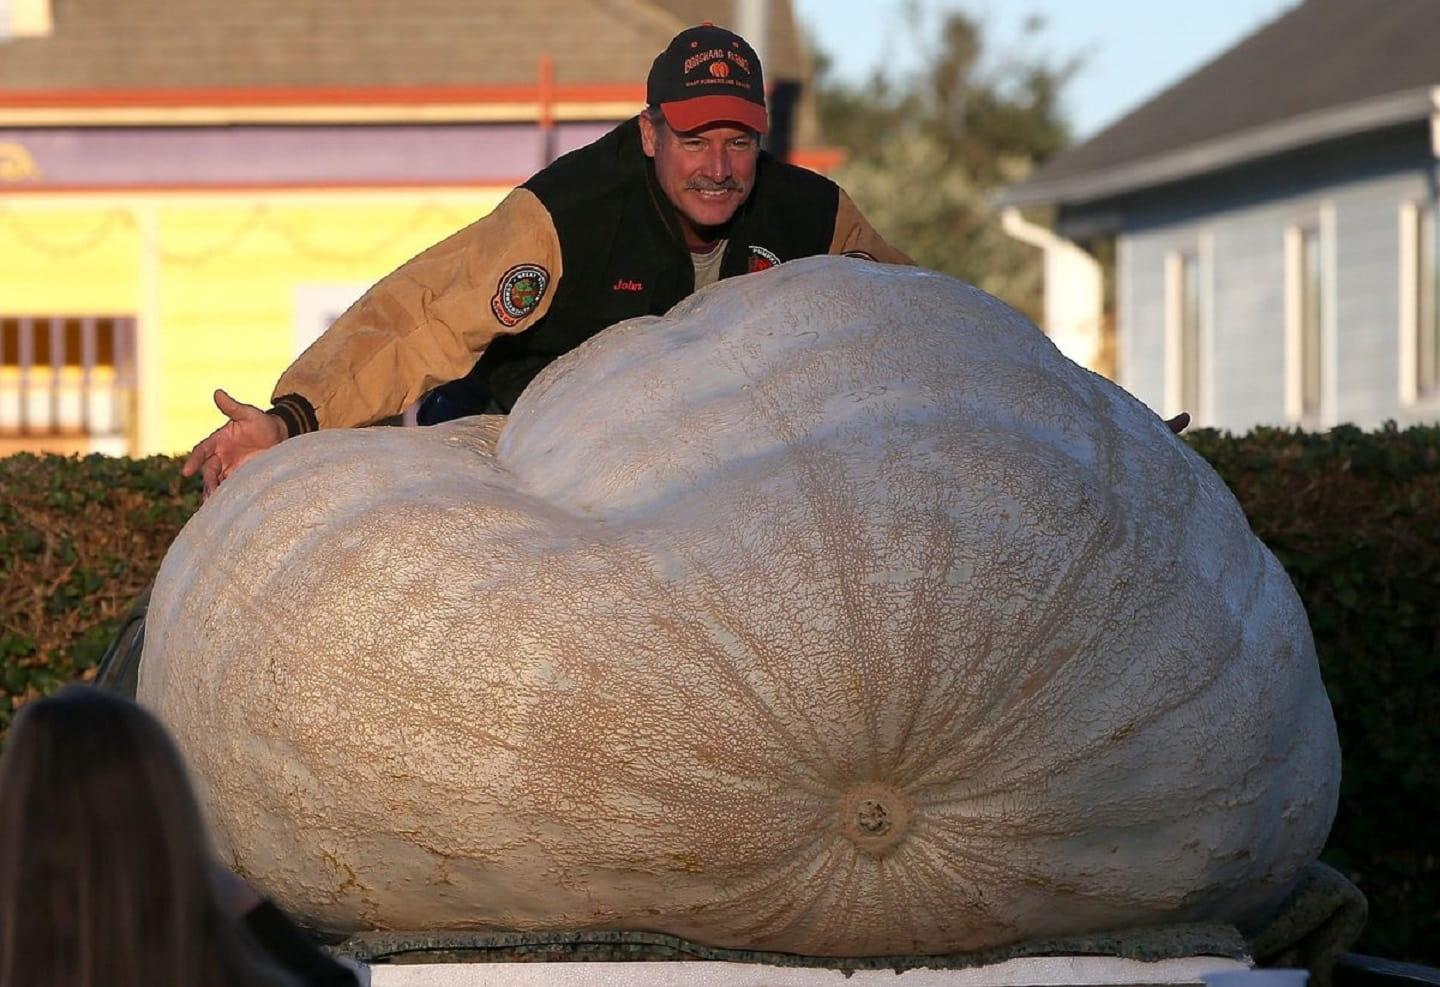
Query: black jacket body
point(624, 256)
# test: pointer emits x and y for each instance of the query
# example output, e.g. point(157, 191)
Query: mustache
point(705, 185)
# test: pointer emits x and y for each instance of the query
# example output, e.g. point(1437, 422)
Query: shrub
point(79, 540)
point(1353, 516)
point(1355, 519)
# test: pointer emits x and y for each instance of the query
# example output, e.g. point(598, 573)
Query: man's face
point(706, 174)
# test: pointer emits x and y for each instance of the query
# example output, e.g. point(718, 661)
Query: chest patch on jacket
point(519, 293)
point(760, 259)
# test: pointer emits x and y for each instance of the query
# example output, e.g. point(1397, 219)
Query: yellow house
point(191, 191)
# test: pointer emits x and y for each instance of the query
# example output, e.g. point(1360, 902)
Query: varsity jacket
point(587, 242)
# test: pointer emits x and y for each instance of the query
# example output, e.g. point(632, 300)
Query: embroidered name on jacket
point(519, 293)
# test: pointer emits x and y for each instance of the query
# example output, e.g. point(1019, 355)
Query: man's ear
point(648, 137)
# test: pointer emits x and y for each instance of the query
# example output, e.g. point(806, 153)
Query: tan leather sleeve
point(428, 321)
point(855, 235)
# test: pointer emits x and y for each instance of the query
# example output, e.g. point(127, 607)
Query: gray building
point(1258, 243)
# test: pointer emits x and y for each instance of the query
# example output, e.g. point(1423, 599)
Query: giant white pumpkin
point(835, 612)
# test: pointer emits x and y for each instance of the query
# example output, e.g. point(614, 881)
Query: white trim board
point(1229, 150)
point(1047, 971)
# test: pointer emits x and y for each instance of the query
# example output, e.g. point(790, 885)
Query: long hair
point(105, 869)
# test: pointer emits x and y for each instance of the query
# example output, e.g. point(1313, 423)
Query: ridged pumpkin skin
point(835, 612)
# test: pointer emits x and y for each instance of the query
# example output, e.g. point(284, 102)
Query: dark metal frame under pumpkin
point(119, 668)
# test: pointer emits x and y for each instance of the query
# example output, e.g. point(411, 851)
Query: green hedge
point(79, 540)
point(1354, 517)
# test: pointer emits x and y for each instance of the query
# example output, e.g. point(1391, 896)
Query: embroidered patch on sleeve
point(760, 259)
point(519, 293)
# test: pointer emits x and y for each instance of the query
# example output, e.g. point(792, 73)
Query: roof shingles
point(161, 44)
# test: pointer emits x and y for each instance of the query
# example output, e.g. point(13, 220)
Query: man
point(661, 206)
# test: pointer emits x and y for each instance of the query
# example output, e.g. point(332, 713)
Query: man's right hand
point(248, 432)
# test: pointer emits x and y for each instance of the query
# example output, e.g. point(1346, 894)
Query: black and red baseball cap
point(708, 75)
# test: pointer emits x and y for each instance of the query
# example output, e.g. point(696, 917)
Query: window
point(1190, 331)
point(1309, 329)
point(1419, 303)
point(317, 304)
point(67, 378)
point(1185, 319)
point(1312, 302)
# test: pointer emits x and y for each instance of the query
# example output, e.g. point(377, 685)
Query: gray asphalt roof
point(161, 44)
point(1318, 56)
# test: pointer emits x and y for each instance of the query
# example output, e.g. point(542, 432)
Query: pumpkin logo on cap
point(719, 70)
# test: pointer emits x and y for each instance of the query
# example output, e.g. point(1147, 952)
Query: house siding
point(1248, 348)
point(211, 278)
point(1245, 221)
point(180, 157)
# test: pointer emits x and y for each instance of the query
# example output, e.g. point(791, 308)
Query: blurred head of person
point(105, 868)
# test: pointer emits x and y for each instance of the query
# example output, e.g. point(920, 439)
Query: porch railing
point(69, 378)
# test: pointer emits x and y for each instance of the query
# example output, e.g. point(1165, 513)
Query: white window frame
point(1418, 218)
point(317, 305)
point(1323, 415)
point(1201, 260)
point(25, 19)
point(1124, 313)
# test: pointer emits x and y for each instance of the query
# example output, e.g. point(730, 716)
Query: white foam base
point(1047, 971)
